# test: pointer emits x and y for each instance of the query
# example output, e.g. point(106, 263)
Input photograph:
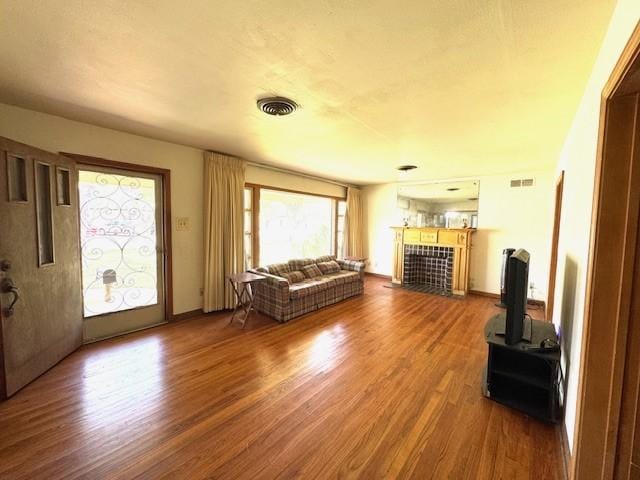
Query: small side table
point(241, 284)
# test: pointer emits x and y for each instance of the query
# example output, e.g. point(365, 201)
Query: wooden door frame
point(612, 252)
point(553, 267)
point(166, 214)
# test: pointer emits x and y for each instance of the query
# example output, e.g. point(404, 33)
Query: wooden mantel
point(457, 238)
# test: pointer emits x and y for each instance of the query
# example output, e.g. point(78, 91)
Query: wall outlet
point(183, 224)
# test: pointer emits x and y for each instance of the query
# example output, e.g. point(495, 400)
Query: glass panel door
point(121, 246)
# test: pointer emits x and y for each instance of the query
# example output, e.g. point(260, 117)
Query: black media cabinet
point(519, 377)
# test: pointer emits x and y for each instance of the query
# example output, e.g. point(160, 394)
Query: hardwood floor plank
point(385, 385)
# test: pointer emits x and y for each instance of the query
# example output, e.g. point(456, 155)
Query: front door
point(121, 237)
point(40, 294)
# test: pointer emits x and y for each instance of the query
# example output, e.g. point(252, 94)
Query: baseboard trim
point(530, 301)
point(564, 450)
point(480, 293)
point(378, 275)
point(186, 315)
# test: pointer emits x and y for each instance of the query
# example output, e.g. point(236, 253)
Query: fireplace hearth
point(428, 269)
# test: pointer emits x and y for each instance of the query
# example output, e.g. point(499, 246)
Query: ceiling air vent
point(277, 106)
point(522, 182)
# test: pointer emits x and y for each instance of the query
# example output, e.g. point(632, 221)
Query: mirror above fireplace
point(451, 204)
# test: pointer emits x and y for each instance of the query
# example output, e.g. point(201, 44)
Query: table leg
point(238, 300)
point(249, 292)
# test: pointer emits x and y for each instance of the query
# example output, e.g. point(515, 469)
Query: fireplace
point(428, 268)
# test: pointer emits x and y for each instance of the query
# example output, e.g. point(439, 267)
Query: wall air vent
point(527, 182)
point(277, 106)
point(522, 182)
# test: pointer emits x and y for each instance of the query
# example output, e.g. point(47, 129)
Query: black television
point(517, 282)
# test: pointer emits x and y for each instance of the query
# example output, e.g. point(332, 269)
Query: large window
point(294, 225)
point(248, 227)
point(342, 209)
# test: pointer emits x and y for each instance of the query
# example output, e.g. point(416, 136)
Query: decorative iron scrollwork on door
point(119, 242)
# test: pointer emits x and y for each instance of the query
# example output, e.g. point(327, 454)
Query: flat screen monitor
point(517, 282)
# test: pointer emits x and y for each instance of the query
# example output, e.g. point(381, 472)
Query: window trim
point(255, 217)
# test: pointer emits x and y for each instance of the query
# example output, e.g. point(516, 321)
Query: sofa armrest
point(272, 295)
point(353, 266)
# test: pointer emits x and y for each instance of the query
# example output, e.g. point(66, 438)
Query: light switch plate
point(182, 224)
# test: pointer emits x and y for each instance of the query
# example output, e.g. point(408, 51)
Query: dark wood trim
point(553, 267)
point(480, 293)
point(166, 214)
point(288, 190)
point(255, 234)
point(378, 275)
point(564, 449)
point(530, 301)
point(609, 288)
point(334, 208)
point(186, 315)
point(3, 378)
point(103, 162)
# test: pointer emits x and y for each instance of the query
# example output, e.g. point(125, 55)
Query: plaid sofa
point(282, 300)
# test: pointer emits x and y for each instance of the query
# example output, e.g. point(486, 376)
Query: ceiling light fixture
point(277, 106)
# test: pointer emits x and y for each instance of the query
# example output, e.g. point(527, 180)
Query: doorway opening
point(124, 233)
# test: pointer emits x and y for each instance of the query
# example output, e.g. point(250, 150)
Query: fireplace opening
point(428, 269)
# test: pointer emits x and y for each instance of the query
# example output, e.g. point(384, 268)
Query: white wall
point(518, 218)
point(507, 217)
point(578, 160)
point(57, 134)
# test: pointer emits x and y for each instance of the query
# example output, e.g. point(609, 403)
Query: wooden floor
point(385, 385)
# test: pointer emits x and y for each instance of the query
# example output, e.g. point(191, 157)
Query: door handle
point(7, 286)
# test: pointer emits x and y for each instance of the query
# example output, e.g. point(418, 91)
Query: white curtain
point(223, 228)
point(353, 242)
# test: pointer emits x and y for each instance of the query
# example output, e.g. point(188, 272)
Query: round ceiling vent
point(277, 106)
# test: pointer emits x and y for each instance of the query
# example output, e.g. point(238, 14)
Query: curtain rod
point(299, 174)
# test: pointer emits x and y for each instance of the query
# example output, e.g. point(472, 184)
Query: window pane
point(118, 242)
point(293, 226)
point(247, 198)
point(247, 222)
point(44, 213)
point(342, 207)
point(247, 250)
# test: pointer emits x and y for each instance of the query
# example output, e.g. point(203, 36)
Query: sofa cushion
point(298, 263)
point(278, 268)
point(294, 277)
point(329, 267)
point(311, 271)
point(343, 276)
point(325, 258)
point(309, 287)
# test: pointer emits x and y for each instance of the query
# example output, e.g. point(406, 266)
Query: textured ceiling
point(457, 87)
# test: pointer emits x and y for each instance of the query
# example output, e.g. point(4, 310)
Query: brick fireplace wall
point(428, 268)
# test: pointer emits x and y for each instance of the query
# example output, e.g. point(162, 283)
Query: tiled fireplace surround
point(428, 268)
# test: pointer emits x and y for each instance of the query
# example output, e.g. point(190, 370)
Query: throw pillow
point(325, 258)
point(294, 277)
point(278, 269)
point(329, 267)
point(311, 271)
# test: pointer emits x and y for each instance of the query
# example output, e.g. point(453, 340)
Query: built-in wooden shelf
point(457, 238)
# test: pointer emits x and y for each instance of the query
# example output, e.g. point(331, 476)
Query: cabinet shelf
point(520, 378)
